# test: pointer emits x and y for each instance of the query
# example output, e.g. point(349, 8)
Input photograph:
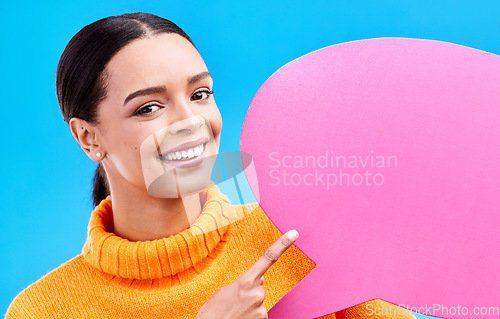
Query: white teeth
point(198, 150)
point(186, 154)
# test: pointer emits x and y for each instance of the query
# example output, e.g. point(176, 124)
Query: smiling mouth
point(185, 155)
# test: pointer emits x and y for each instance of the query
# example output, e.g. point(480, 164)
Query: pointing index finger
point(272, 254)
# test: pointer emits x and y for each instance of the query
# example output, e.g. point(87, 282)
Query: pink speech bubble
point(406, 133)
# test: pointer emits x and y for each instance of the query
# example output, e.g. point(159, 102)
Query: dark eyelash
point(207, 91)
point(210, 92)
point(143, 107)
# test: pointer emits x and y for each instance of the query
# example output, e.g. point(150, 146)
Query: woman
point(163, 241)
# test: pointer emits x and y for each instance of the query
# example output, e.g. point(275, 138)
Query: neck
point(137, 216)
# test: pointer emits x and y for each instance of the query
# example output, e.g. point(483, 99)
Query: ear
point(85, 135)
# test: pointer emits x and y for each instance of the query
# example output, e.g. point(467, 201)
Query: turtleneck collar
point(158, 258)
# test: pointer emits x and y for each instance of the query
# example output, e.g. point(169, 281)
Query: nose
point(186, 121)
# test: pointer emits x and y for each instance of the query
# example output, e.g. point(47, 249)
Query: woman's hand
point(243, 299)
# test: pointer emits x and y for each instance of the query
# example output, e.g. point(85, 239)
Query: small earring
point(98, 154)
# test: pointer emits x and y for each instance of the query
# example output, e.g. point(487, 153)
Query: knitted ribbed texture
point(170, 277)
point(181, 254)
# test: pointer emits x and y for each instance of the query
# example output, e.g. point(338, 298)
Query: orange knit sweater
point(170, 277)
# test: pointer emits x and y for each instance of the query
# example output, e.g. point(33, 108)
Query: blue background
point(46, 177)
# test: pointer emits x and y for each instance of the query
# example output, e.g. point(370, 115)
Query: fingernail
point(292, 234)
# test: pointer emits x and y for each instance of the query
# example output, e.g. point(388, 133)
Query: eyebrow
point(147, 91)
point(199, 77)
point(162, 88)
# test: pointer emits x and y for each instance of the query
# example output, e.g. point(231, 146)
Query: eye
point(201, 95)
point(147, 109)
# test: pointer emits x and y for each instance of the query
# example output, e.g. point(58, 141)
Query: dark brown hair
point(80, 80)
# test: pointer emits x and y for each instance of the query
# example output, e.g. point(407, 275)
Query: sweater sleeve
point(15, 310)
point(22, 306)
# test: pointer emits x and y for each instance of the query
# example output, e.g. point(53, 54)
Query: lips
point(193, 154)
point(185, 146)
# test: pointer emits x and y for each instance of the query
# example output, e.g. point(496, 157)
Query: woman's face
point(159, 98)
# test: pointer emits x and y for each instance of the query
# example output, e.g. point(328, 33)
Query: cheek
point(128, 141)
point(126, 145)
point(129, 152)
point(216, 122)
